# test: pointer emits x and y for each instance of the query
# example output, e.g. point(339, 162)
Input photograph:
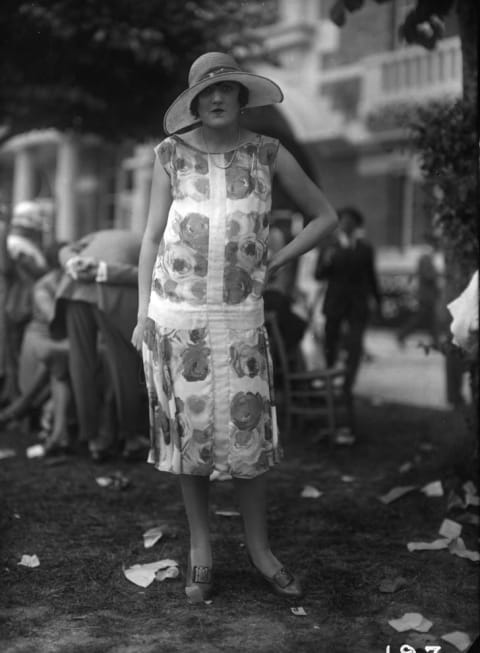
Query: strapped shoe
point(199, 583)
point(283, 582)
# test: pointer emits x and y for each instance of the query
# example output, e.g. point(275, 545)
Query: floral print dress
point(206, 355)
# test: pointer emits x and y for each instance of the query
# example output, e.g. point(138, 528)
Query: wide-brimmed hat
point(213, 68)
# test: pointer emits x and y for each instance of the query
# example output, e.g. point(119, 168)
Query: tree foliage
point(109, 66)
point(423, 24)
point(444, 134)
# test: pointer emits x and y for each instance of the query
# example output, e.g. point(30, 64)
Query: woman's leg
point(252, 500)
point(195, 491)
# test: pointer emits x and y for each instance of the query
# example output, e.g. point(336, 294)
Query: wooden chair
point(305, 395)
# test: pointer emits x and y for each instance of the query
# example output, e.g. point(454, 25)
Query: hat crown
point(211, 64)
point(28, 215)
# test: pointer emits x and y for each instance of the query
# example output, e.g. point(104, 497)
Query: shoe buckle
point(283, 578)
point(201, 575)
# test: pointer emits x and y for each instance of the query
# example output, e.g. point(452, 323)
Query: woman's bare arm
point(160, 201)
point(311, 201)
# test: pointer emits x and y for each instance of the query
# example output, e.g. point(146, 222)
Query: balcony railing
point(412, 74)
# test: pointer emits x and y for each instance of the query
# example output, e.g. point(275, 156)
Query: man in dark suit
point(347, 264)
point(98, 296)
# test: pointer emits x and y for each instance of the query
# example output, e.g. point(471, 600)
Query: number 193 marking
point(406, 648)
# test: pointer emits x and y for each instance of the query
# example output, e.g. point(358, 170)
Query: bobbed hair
point(243, 97)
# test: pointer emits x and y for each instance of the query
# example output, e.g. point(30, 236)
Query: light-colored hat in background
point(25, 234)
point(27, 217)
point(213, 68)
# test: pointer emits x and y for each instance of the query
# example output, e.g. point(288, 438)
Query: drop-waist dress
point(206, 355)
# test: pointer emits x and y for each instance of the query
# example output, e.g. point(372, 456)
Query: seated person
point(291, 326)
point(25, 262)
point(43, 362)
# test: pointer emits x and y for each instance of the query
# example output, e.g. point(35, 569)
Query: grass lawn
point(343, 544)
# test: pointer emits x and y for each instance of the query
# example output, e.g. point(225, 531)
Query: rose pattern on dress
point(191, 186)
point(240, 224)
point(198, 412)
point(193, 291)
point(163, 423)
point(149, 334)
point(239, 182)
point(262, 185)
point(246, 409)
point(166, 374)
point(183, 420)
point(247, 360)
point(194, 230)
point(246, 248)
point(188, 172)
point(170, 290)
point(237, 284)
point(196, 362)
point(198, 335)
point(180, 364)
point(202, 437)
point(250, 253)
point(201, 266)
point(243, 439)
point(184, 260)
point(179, 261)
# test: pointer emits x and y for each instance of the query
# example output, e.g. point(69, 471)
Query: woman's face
point(218, 104)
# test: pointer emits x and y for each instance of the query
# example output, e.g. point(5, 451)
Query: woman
point(203, 266)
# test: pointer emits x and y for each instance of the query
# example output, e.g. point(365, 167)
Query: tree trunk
point(467, 14)
point(457, 275)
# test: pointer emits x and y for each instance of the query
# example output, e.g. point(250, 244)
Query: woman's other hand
point(137, 335)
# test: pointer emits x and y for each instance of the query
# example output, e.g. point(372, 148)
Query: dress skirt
point(211, 400)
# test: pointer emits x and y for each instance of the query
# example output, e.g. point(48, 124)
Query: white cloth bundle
point(464, 311)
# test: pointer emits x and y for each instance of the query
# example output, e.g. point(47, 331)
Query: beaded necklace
point(213, 156)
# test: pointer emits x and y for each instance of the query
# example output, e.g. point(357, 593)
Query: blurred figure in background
point(347, 264)
point(43, 363)
point(97, 301)
point(278, 300)
point(26, 262)
point(425, 317)
point(3, 298)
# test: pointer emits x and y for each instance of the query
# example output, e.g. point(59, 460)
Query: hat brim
point(261, 92)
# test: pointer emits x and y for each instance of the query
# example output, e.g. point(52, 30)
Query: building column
point(412, 176)
point(65, 189)
point(142, 178)
point(407, 217)
point(23, 176)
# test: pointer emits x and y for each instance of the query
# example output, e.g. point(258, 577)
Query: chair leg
point(287, 420)
point(331, 417)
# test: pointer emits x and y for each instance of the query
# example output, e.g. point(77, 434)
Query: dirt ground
point(343, 544)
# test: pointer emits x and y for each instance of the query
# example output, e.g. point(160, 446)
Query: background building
point(343, 88)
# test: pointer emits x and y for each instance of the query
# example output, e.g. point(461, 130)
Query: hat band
point(217, 71)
